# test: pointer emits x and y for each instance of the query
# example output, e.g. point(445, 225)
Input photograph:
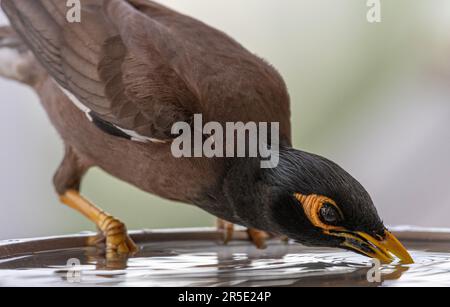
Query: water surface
point(200, 263)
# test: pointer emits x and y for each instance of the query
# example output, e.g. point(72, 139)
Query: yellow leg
point(258, 237)
point(115, 232)
point(227, 228)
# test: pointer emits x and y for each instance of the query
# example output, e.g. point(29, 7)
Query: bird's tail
point(16, 61)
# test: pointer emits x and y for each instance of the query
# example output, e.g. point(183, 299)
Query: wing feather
point(92, 61)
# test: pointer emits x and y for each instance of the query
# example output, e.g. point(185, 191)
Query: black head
point(316, 202)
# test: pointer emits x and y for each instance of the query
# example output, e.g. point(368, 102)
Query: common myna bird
point(115, 82)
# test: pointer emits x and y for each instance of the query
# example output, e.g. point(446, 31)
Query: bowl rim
point(14, 248)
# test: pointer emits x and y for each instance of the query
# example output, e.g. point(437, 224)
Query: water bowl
point(197, 257)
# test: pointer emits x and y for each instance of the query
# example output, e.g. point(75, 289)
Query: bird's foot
point(258, 237)
point(113, 234)
point(113, 237)
point(227, 229)
point(117, 239)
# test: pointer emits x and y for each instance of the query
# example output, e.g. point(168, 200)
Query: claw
point(258, 237)
point(117, 239)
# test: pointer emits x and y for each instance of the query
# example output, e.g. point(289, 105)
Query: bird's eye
point(329, 214)
point(321, 211)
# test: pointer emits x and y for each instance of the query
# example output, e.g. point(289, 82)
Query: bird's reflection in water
point(235, 265)
point(231, 264)
point(202, 263)
point(107, 263)
point(357, 278)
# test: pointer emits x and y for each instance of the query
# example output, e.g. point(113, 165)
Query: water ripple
point(200, 264)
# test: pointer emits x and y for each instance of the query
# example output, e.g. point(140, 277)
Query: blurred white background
point(373, 97)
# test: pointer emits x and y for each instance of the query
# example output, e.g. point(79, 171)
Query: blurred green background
point(373, 97)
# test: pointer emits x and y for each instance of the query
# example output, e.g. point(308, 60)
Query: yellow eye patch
point(312, 205)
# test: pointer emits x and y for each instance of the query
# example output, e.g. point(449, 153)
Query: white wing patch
point(77, 103)
point(134, 136)
point(139, 138)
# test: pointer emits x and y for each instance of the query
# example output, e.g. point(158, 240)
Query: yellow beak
point(382, 249)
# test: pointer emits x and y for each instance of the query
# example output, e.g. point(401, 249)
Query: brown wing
point(127, 81)
point(142, 66)
point(233, 83)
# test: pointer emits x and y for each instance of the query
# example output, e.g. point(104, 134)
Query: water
point(201, 263)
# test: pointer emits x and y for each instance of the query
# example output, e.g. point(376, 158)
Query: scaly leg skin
point(258, 237)
point(117, 240)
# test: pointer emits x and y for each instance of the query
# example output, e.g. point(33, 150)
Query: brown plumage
point(143, 67)
point(136, 68)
